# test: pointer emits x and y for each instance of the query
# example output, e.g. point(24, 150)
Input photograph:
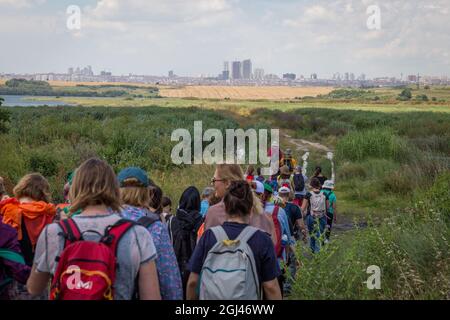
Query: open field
point(242, 92)
point(392, 166)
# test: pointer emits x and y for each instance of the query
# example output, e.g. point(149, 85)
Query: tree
point(1, 101)
point(405, 95)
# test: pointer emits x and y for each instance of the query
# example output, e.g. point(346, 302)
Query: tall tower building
point(247, 69)
point(236, 70)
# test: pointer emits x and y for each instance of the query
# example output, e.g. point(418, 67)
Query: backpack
point(229, 270)
point(147, 221)
point(299, 182)
point(318, 204)
point(9, 255)
point(278, 233)
point(87, 269)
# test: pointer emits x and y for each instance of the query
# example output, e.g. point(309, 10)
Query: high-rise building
point(226, 71)
point(236, 70)
point(352, 77)
point(314, 76)
point(171, 74)
point(70, 71)
point(247, 69)
point(259, 74)
point(346, 76)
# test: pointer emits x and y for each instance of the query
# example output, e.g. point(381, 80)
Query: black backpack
point(299, 182)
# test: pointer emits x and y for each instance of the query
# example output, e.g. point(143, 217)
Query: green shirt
point(331, 199)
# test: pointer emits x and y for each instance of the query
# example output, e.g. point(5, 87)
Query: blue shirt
point(166, 263)
point(284, 223)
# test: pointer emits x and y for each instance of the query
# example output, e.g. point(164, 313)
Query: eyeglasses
point(214, 180)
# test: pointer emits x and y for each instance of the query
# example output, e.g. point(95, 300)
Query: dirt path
point(305, 145)
point(344, 223)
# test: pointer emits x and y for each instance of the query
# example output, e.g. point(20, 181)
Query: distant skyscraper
point(247, 69)
point(171, 74)
point(346, 76)
point(352, 77)
point(226, 71)
point(236, 70)
point(314, 76)
point(70, 71)
point(259, 74)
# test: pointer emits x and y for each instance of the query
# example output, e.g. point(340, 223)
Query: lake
point(25, 101)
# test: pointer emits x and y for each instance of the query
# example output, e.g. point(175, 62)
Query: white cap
point(259, 186)
point(284, 190)
point(328, 184)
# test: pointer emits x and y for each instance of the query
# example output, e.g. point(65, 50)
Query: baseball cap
point(259, 187)
point(133, 172)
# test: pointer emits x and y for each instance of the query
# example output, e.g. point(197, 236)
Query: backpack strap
point(71, 232)
point(219, 233)
point(147, 221)
point(114, 233)
point(275, 211)
point(246, 234)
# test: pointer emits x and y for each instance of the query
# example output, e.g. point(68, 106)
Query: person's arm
point(148, 282)
point(37, 282)
point(191, 292)
point(272, 290)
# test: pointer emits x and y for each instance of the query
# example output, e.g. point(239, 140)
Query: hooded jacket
point(34, 215)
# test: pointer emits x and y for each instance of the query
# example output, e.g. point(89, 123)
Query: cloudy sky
point(194, 37)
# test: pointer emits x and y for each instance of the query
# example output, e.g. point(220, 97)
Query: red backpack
point(87, 269)
point(278, 234)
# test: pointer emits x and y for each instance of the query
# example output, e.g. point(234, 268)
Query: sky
point(195, 37)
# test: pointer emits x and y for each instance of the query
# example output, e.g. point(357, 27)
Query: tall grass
point(411, 247)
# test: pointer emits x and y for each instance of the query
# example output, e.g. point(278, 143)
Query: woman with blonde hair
point(95, 191)
point(216, 215)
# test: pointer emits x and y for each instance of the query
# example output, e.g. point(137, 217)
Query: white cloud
point(20, 4)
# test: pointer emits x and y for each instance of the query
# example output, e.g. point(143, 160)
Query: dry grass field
point(242, 92)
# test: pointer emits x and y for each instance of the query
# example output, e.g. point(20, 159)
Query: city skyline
point(191, 37)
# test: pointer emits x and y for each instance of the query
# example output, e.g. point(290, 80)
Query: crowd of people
point(118, 237)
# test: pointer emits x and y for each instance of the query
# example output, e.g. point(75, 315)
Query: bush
point(422, 97)
point(405, 95)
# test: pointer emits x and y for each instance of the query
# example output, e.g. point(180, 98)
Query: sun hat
point(328, 184)
point(133, 173)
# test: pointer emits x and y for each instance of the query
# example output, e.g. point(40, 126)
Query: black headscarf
point(188, 212)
